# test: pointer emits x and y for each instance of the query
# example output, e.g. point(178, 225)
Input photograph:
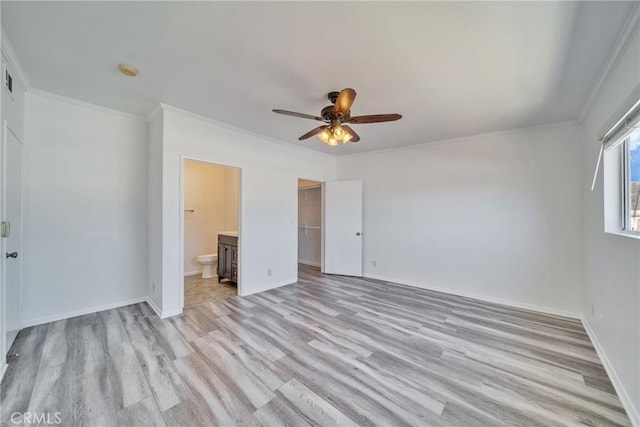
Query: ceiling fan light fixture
point(324, 136)
point(338, 118)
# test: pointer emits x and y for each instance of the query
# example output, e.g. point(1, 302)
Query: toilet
point(209, 265)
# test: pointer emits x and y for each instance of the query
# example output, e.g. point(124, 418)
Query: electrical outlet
point(374, 263)
point(593, 310)
point(269, 272)
point(153, 287)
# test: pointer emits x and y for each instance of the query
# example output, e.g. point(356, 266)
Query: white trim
point(154, 307)
point(61, 316)
point(269, 287)
point(151, 114)
point(627, 403)
point(627, 32)
point(311, 263)
point(517, 131)
point(85, 104)
point(510, 303)
point(243, 131)
point(12, 58)
point(193, 273)
point(159, 312)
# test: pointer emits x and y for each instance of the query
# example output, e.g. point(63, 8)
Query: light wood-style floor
point(328, 350)
point(198, 290)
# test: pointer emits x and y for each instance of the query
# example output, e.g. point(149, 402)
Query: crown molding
point(10, 54)
point(243, 131)
point(628, 31)
point(515, 131)
point(151, 114)
point(74, 101)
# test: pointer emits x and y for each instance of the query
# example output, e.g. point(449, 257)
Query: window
point(621, 169)
point(631, 182)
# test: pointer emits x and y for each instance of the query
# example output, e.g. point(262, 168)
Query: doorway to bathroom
point(210, 230)
point(310, 227)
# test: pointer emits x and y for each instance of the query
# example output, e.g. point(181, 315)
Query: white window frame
point(615, 137)
point(625, 148)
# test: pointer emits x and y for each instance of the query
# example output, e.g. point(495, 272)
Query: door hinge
point(5, 229)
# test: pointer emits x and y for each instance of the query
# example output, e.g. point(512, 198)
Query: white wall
point(309, 215)
point(495, 216)
point(12, 111)
point(231, 195)
point(205, 187)
point(85, 209)
point(612, 262)
point(154, 210)
point(268, 204)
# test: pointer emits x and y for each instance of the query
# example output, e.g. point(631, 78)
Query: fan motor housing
point(327, 112)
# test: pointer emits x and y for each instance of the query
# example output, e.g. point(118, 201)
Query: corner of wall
point(12, 58)
point(626, 400)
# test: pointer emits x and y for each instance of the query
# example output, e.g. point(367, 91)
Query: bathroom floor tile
point(198, 290)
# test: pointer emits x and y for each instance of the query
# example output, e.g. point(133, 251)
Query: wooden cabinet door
point(220, 260)
point(228, 261)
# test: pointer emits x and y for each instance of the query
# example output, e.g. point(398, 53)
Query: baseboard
point(154, 307)
point(510, 303)
point(311, 263)
point(268, 287)
point(75, 313)
point(627, 403)
point(192, 273)
point(159, 312)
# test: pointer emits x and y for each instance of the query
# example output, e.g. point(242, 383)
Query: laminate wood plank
point(222, 406)
point(327, 350)
point(165, 383)
point(279, 413)
point(186, 414)
point(243, 383)
point(313, 406)
point(269, 373)
point(144, 413)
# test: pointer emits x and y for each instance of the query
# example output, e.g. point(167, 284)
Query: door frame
point(4, 348)
point(321, 185)
point(184, 158)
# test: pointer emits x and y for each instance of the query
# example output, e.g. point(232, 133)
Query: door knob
point(358, 233)
point(12, 255)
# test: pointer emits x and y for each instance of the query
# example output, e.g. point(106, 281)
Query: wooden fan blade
point(300, 115)
point(351, 132)
point(313, 132)
point(344, 101)
point(375, 118)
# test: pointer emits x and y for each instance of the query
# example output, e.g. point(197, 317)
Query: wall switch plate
point(5, 229)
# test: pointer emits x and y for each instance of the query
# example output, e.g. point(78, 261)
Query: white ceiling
point(451, 68)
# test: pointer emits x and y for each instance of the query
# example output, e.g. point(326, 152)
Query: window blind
point(623, 127)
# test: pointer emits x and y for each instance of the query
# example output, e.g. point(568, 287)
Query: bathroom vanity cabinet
point(228, 257)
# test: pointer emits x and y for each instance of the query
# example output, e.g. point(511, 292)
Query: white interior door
point(12, 242)
point(343, 228)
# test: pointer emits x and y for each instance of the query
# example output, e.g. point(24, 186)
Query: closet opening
point(310, 226)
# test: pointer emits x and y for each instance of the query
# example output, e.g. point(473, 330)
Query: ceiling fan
point(337, 116)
